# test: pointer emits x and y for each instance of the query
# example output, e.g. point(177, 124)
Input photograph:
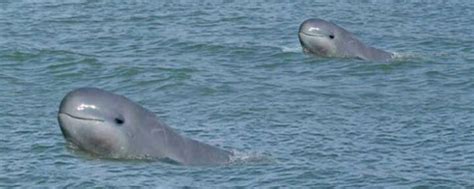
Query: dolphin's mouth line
point(81, 118)
point(311, 35)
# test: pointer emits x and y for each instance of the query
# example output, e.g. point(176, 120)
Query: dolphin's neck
point(188, 151)
point(371, 53)
point(195, 152)
point(352, 47)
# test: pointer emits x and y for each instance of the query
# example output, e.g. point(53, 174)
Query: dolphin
point(113, 126)
point(327, 39)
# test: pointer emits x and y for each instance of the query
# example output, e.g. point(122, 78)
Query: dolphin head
point(320, 37)
point(97, 121)
point(113, 126)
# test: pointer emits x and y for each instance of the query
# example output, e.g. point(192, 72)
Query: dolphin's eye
point(119, 121)
point(331, 36)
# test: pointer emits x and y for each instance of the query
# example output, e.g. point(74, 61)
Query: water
point(232, 74)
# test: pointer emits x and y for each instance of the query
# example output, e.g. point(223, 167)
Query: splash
point(293, 49)
point(239, 158)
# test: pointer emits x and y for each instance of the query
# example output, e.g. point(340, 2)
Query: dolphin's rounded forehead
point(315, 21)
point(316, 24)
point(93, 97)
point(91, 93)
point(97, 103)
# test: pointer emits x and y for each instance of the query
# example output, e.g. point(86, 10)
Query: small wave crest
point(404, 56)
point(293, 49)
point(239, 158)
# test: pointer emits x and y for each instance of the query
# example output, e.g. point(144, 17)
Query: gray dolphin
point(327, 39)
point(111, 125)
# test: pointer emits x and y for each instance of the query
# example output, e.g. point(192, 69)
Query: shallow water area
point(232, 74)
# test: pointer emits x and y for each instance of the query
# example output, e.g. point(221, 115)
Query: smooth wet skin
point(327, 39)
point(113, 126)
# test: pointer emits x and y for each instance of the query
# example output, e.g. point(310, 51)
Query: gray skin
point(327, 39)
point(113, 126)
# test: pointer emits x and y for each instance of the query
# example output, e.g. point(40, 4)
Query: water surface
point(232, 74)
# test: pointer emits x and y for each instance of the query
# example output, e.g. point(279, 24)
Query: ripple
point(233, 74)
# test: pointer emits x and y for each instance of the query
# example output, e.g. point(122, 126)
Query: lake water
point(232, 74)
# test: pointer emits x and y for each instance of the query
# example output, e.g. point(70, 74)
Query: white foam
point(249, 158)
point(295, 49)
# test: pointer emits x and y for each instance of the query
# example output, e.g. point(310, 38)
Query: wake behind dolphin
point(327, 39)
point(111, 125)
